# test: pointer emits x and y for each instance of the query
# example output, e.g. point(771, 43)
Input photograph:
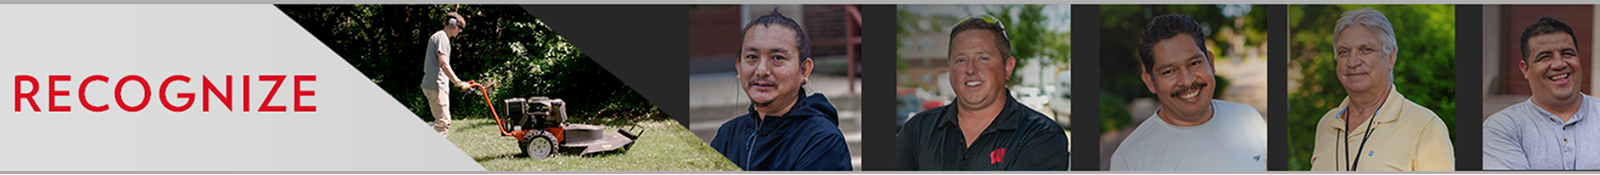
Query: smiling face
point(769, 65)
point(977, 69)
point(1181, 76)
point(1362, 64)
point(1552, 66)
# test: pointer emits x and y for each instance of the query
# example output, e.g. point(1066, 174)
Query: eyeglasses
point(986, 19)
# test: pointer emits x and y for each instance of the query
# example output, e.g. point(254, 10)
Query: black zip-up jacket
point(805, 138)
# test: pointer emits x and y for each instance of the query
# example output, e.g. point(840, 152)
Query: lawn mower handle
point(486, 102)
point(632, 131)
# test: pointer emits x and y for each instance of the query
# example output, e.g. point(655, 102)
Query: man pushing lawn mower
point(436, 70)
point(538, 123)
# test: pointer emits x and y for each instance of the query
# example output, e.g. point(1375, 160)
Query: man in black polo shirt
point(985, 128)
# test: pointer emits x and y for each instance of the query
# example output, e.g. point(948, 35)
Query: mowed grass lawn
point(664, 146)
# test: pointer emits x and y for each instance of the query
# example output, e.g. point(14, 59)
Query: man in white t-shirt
point(437, 72)
point(1190, 132)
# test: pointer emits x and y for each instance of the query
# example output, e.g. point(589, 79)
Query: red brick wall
point(714, 33)
point(1518, 17)
point(824, 23)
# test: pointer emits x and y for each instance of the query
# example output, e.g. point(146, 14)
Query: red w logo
point(997, 156)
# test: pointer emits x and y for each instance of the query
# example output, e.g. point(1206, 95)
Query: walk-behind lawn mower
point(539, 124)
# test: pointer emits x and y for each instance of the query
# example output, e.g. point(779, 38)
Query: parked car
point(1032, 97)
point(910, 101)
point(1061, 101)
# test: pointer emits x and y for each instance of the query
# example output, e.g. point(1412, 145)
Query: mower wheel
point(539, 145)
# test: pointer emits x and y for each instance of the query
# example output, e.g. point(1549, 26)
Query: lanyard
point(1368, 135)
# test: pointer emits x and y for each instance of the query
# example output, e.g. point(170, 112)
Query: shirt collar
point(1584, 107)
point(1387, 113)
point(1215, 115)
point(1006, 120)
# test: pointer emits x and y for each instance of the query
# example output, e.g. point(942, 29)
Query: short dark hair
point(804, 43)
point(1164, 27)
point(461, 22)
point(1545, 26)
point(1001, 41)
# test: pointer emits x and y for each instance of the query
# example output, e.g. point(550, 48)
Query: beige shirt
point(1405, 137)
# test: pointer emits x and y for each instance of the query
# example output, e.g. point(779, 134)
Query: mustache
point(1187, 88)
point(755, 81)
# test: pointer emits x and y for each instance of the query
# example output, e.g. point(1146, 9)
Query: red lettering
point(83, 98)
point(175, 102)
point(29, 94)
point(55, 93)
point(187, 96)
point(246, 93)
point(142, 103)
point(299, 93)
point(208, 89)
point(266, 104)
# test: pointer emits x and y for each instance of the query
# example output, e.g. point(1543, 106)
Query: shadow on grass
point(517, 155)
point(564, 152)
point(610, 121)
point(483, 124)
point(584, 120)
point(617, 152)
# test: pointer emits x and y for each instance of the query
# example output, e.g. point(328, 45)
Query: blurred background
point(1503, 82)
point(1235, 35)
point(714, 94)
point(1424, 71)
point(1039, 34)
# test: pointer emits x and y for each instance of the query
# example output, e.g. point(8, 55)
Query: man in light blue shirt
point(1547, 132)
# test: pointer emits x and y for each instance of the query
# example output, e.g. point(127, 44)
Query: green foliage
point(1113, 112)
point(500, 45)
point(1026, 25)
point(1030, 37)
point(900, 36)
point(1120, 41)
point(1423, 73)
point(1222, 86)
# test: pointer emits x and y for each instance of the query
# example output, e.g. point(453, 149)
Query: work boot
point(442, 128)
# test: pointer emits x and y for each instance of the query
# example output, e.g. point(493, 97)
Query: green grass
point(664, 146)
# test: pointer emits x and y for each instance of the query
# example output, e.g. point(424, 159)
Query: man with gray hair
point(1376, 128)
point(436, 72)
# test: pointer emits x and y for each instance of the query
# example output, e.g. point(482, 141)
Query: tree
point(1025, 27)
point(501, 45)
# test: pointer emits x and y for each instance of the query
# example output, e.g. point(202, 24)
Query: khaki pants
point(439, 103)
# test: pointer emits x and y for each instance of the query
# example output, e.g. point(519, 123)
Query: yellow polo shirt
point(1405, 137)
